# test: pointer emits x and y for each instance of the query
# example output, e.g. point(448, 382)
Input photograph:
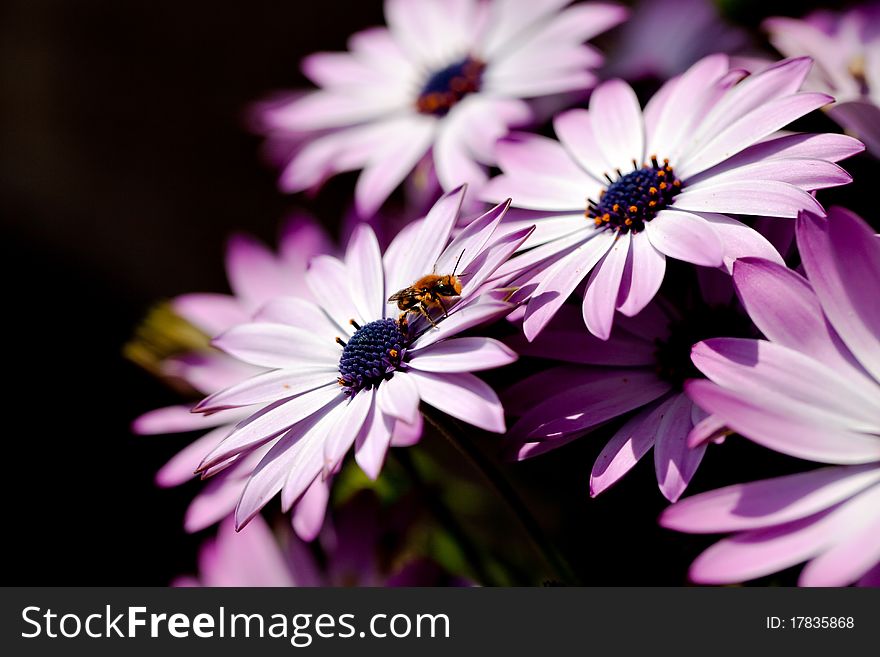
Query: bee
point(428, 293)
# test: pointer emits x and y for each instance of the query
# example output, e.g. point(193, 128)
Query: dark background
point(125, 164)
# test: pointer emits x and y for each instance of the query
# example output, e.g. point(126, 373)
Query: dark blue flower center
point(447, 86)
point(371, 355)
point(635, 198)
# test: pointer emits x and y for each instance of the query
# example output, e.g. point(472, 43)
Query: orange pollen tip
point(615, 207)
point(652, 191)
point(633, 208)
point(661, 173)
point(393, 353)
point(628, 221)
point(663, 185)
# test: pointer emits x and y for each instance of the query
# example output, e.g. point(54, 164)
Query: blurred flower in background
point(445, 78)
point(812, 391)
point(256, 275)
point(663, 38)
point(364, 545)
point(845, 47)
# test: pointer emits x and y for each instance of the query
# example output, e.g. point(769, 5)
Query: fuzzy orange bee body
point(427, 295)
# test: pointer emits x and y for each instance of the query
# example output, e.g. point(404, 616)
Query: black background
point(125, 164)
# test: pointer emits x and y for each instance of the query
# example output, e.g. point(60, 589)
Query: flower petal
point(642, 276)
point(769, 502)
point(675, 462)
point(685, 236)
point(603, 288)
point(363, 259)
point(420, 247)
point(212, 313)
point(575, 131)
point(464, 317)
point(794, 434)
point(276, 346)
point(177, 419)
point(307, 516)
point(328, 280)
point(739, 241)
point(301, 314)
point(341, 436)
point(579, 408)
point(407, 435)
point(748, 129)
point(684, 106)
point(371, 444)
point(470, 354)
point(293, 453)
point(269, 387)
point(763, 551)
point(842, 259)
point(617, 122)
point(556, 285)
point(462, 396)
point(785, 308)
point(181, 467)
point(785, 379)
point(270, 421)
point(856, 552)
point(391, 162)
point(631, 442)
point(757, 197)
point(399, 398)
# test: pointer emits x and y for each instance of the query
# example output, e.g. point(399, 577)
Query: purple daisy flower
point(846, 49)
point(624, 188)
point(445, 76)
point(638, 373)
point(256, 276)
point(345, 371)
point(811, 390)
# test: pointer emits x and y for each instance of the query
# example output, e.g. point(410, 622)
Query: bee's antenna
point(457, 262)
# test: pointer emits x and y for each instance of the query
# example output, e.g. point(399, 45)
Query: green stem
point(445, 517)
point(506, 492)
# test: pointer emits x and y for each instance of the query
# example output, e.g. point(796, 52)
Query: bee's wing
point(405, 293)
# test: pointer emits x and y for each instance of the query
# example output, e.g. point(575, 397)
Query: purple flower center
point(447, 86)
point(672, 356)
point(635, 198)
point(371, 355)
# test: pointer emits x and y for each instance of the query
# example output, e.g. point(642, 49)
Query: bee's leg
point(443, 306)
point(424, 313)
point(401, 319)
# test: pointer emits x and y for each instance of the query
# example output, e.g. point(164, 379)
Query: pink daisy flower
point(846, 49)
point(446, 77)
point(811, 390)
point(344, 371)
point(625, 188)
point(256, 275)
point(638, 373)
